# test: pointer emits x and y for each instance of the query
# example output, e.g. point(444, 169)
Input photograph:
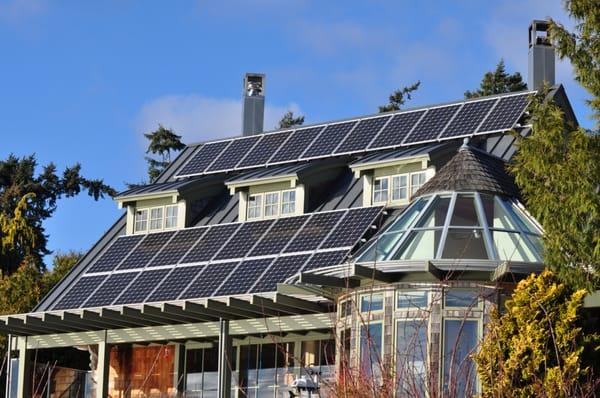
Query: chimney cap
point(538, 33)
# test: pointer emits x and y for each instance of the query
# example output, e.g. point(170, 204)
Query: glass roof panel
point(419, 245)
point(465, 243)
point(382, 248)
point(409, 215)
point(511, 246)
point(436, 213)
point(464, 212)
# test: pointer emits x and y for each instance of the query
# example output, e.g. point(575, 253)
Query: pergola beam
point(294, 302)
point(372, 274)
point(177, 310)
point(325, 280)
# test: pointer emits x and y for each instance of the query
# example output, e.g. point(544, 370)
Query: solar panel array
point(462, 119)
point(221, 259)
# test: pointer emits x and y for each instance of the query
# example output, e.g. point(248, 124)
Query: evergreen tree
point(163, 141)
point(289, 120)
point(399, 97)
point(498, 82)
point(582, 47)
point(27, 200)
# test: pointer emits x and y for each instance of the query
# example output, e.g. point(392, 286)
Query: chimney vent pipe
point(541, 66)
point(253, 103)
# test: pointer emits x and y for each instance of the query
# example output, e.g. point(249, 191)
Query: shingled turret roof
point(472, 169)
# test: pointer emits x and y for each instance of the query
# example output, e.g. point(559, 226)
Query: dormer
point(166, 206)
point(392, 178)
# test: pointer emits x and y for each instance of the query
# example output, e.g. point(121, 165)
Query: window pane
point(414, 299)
point(271, 204)
point(461, 298)
point(141, 220)
point(460, 340)
point(288, 202)
point(380, 190)
point(462, 244)
point(416, 181)
point(420, 245)
point(171, 217)
point(495, 215)
point(464, 212)
point(512, 246)
point(372, 302)
point(382, 248)
point(409, 215)
point(255, 206)
point(436, 214)
point(520, 217)
point(156, 218)
point(400, 187)
point(411, 356)
point(370, 349)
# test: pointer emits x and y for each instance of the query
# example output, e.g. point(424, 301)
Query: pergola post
point(225, 345)
point(24, 375)
point(179, 375)
point(102, 369)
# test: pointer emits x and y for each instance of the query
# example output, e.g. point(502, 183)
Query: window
point(460, 341)
point(288, 202)
point(371, 302)
point(461, 298)
point(171, 216)
point(272, 204)
point(141, 220)
point(416, 181)
point(411, 356)
point(254, 206)
point(371, 343)
point(412, 299)
point(400, 187)
point(156, 218)
point(380, 190)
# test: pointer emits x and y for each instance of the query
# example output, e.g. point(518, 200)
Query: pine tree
point(399, 97)
point(498, 82)
point(163, 141)
point(289, 120)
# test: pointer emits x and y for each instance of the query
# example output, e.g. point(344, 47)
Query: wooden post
point(103, 369)
point(225, 344)
point(24, 375)
point(179, 375)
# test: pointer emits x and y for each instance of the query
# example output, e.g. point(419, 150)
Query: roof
point(472, 170)
point(165, 187)
point(403, 153)
point(290, 170)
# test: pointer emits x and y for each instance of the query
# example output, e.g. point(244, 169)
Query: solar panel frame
point(244, 276)
point(395, 131)
point(203, 158)
point(79, 292)
point(174, 283)
point(110, 289)
point(329, 139)
point(281, 269)
point(208, 280)
point(362, 134)
point(314, 231)
point(244, 239)
point(211, 243)
point(334, 257)
point(349, 231)
point(430, 127)
point(145, 252)
point(144, 284)
point(296, 144)
point(468, 119)
point(117, 249)
point(169, 253)
point(281, 233)
point(264, 150)
point(513, 105)
point(233, 154)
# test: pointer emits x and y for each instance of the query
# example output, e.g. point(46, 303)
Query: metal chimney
point(541, 56)
point(253, 103)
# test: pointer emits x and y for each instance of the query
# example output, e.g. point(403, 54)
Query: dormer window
point(271, 204)
point(395, 188)
point(141, 220)
point(157, 218)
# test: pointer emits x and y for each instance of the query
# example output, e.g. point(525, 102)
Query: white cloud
point(200, 118)
point(16, 11)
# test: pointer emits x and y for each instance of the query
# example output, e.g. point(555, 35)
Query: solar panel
point(242, 279)
point(142, 286)
point(234, 153)
point(279, 235)
point(505, 114)
point(432, 124)
point(171, 254)
point(203, 158)
point(351, 228)
point(264, 150)
point(210, 243)
point(314, 231)
point(359, 138)
point(282, 268)
point(397, 129)
point(110, 289)
point(175, 283)
point(81, 290)
point(298, 142)
point(243, 240)
point(325, 259)
point(209, 280)
point(109, 260)
point(329, 139)
point(468, 118)
point(143, 253)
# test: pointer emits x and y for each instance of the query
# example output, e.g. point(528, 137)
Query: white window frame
point(258, 208)
point(406, 187)
point(291, 204)
point(163, 218)
point(174, 218)
point(278, 205)
point(386, 190)
point(145, 221)
point(160, 219)
point(391, 187)
point(272, 207)
point(413, 188)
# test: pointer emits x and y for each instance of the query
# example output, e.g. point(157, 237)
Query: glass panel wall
point(460, 341)
point(371, 344)
point(411, 357)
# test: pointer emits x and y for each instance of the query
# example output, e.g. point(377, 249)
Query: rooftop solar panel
point(296, 144)
point(243, 240)
point(79, 292)
point(329, 139)
point(142, 286)
point(244, 276)
point(203, 158)
point(468, 118)
point(109, 260)
point(432, 124)
point(178, 246)
point(208, 280)
point(279, 235)
point(264, 150)
point(314, 231)
point(351, 228)
point(210, 243)
point(505, 114)
point(231, 156)
point(282, 268)
point(146, 250)
point(359, 138)
point(325, 259)
point(110, 289)
point(397, 129)
point(175, 283)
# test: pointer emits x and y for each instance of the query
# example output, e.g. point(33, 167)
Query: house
point(271, 260)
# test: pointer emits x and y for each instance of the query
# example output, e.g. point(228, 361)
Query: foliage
point(162, 142)
point(27, 200)
point(539, 347)
point(582, 47)
point(557, 168)
point(289, 120)
point(498, 82)
point(399, 97)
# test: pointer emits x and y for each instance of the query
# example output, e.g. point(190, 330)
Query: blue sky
point(81, 81)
